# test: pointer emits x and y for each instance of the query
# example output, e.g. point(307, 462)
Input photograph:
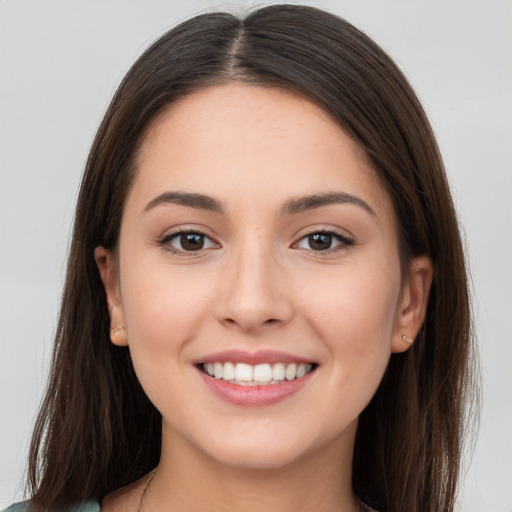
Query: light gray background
point(61, 61)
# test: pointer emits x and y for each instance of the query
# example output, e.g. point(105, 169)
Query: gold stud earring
point(119, 335)
point(410, 341)
point(114, 331)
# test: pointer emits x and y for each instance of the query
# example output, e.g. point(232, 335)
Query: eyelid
point(164, 241)
point(344, 240)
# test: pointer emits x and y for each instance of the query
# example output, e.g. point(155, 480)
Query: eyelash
point(343, 242)
point(166, 240)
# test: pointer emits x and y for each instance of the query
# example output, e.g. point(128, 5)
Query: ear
point(413, 303)
point(109, 276)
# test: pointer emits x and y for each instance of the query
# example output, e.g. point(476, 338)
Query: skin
point(257, 284)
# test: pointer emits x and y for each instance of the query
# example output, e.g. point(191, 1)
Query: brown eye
point(187, 241)
point(320, 241)
point(323, 241)
point(191, 241)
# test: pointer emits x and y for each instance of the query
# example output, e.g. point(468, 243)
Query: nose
point(253, 293)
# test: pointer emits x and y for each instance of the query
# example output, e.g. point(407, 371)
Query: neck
point(188, 479)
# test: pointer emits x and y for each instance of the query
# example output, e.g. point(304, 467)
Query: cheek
point(164, 307)
point(354, 312)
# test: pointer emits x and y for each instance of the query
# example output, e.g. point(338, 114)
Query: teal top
point(88, 506)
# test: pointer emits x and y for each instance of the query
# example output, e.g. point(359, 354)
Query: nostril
point(269, 321)
point(250, 323)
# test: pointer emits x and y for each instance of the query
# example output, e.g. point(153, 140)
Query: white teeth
point(278, 371)
point(291, 371)
point(301, 371)
point(243, 372)
point(229, 371)
point(218, 370)
point(261, 374)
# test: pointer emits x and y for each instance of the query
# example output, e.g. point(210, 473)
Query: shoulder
point(87, 506)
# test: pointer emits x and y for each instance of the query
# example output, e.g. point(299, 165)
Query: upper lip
point(252, 358)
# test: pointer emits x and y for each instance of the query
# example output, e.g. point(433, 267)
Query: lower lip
point(254, 395)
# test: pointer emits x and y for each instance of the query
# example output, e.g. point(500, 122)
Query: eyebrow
point(200, 201)
point(290, 207)
point(303, 204)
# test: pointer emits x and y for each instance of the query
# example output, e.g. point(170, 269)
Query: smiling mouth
point(243, 374)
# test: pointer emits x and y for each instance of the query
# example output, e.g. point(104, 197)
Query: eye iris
point(320, 241)
point(192, 241)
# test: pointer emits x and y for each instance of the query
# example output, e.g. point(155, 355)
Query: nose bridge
point(253, 295)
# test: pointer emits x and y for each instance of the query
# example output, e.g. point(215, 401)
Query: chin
point(257, 459)
point(262, 452)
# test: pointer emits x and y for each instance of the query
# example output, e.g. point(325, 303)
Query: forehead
point(247, 116)
point(245, 141)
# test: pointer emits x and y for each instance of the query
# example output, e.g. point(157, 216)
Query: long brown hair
point(97, 430)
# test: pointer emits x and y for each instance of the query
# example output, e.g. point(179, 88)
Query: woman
point(266, 303)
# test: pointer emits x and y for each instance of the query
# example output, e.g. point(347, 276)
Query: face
point(258, 277)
